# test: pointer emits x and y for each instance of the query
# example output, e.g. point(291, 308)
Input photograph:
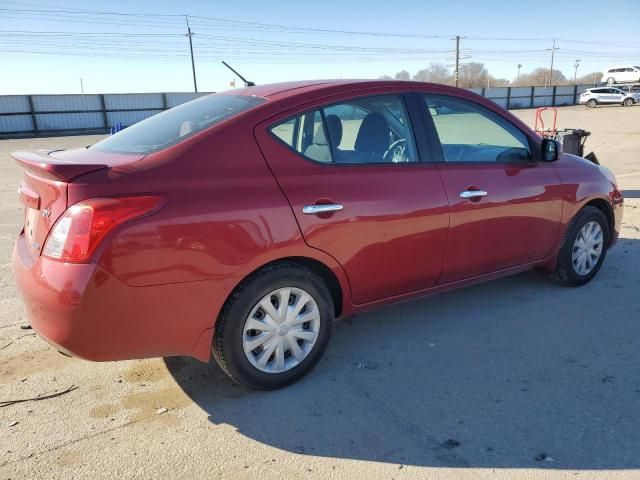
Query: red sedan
point(241, 224)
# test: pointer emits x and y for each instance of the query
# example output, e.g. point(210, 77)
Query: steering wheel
point(396, 152)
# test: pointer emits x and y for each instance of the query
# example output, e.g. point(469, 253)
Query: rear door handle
point(473, 194)
point(322, 208)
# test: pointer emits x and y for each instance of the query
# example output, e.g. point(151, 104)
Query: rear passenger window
point(306, 135)
point(360, 131)
point(284, 131)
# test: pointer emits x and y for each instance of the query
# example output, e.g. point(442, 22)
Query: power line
point(254, 50)
point(285, 28)
point(242, 22)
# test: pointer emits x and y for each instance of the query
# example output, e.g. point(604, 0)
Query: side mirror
point(550, 150)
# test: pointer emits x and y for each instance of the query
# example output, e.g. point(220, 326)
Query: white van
point(621, 74)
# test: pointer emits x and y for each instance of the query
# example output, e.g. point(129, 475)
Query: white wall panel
point(60, 103)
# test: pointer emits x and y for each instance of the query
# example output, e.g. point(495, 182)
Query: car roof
point(277, 91)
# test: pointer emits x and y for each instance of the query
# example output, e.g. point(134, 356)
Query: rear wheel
point(275, 327)
point(584, 248)
point(611, 81)
point(627, 102)
point(592, 103)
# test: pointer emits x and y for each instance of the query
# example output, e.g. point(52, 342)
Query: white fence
point(42, 115)
point(533, 97)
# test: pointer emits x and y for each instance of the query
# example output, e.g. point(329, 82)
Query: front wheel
point(627, 102)
point(592, 103)
point(584, 248)
point(274, 328)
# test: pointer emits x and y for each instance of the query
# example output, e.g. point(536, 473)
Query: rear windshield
point(178, 123)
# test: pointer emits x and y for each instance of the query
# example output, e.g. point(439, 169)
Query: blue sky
point(73, 41)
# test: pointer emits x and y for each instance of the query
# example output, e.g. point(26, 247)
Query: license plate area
point(30, 225)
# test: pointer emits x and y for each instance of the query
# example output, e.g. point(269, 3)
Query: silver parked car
point(608, 95)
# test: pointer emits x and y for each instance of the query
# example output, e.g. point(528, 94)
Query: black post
point(105, 119)
point(508, 97)
point(575, 94)
point(34, 121)
point(533, 89)
point(553, 96)
point(164, 101)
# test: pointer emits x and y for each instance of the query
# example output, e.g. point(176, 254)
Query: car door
point(618, 75)
point(604, 95)
point(616, 95)
point(505, 206)
point(350, 169)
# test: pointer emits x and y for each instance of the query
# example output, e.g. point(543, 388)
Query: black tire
point(592, 103)
point(565, 273)
point(227, 348)
point(611, 81)
point(627, 102)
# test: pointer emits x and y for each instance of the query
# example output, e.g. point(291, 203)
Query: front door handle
point(473, 194)
point(321, 208)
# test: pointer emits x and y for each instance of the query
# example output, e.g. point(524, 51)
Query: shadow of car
point(511, 374)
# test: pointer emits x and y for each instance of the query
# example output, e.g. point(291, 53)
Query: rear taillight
point(76, 235)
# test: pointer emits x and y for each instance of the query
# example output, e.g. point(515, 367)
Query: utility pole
point(553, 51)
point(519, 67)
point(84, 103)
point(460, 54)
point(193, 65)
point(575, 73)
point(457, 67)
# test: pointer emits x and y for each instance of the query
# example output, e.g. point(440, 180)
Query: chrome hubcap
point(587, 248)
point(281, 330)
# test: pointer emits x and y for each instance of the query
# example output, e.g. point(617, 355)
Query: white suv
point(607, 95)
point(623, 74)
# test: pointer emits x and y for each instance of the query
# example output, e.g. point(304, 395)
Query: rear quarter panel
point(225, 216)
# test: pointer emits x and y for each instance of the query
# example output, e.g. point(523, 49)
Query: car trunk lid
point(43, 191)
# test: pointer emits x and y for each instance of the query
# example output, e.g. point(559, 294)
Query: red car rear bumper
point(86, 312)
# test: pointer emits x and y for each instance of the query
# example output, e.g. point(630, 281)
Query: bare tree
point(592, 78)
point(436, 73)
point(403, 75)
point(385, 77)
point(540, 77)
point(473, 74)
point(498, 82)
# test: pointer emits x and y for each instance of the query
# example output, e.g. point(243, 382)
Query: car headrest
point(373, 135)
point(334, 125)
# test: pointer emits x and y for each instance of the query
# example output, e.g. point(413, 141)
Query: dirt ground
point(513, 379)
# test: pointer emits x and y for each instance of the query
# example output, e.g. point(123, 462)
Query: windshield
point(178, 123)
